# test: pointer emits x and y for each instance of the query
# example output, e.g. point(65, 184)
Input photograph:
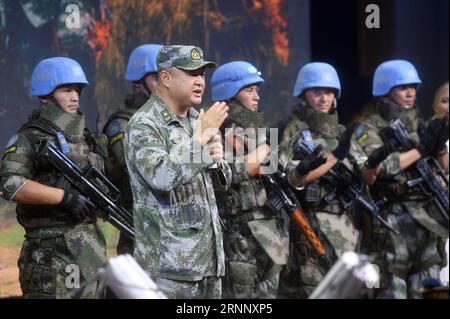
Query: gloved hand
point(380, 154)
point(441, 141)
point(75, 203)
point(428, 140)
point(345, 141)
point(311, 162)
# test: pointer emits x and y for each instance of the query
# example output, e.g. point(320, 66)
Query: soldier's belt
point(52, 231)
point(248, 216)
point(332, 208)
point(408, 197)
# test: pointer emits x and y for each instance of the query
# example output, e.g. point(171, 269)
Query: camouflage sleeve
point(290, 132)
point(368, 141)
point(239, 171)
point(163, 166)
point(115, 131)
point(357, 154)
point(287, 162)
point(236, 163)
point(285, 155)
point(17, 167)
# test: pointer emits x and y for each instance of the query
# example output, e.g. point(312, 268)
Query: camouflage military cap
point(187, 58)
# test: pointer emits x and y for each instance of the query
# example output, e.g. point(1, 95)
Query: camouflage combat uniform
point(256, 240)
point(53, 242)
point(115, 166)
point(178, 230)
point(407, 259)
point(336, 228)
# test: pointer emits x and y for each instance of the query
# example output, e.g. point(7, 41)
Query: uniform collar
point(324, 124)
point(72, 125)
point(167, 116)
point(390, 111)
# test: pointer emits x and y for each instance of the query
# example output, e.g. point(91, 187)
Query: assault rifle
point(426, 174)
point(86, 181)
point(347, 186)
point(280, 198)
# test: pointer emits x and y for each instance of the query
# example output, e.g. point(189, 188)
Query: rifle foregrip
point(304, 226)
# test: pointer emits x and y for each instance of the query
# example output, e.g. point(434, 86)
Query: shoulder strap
point(122, 114)
point(42, 125)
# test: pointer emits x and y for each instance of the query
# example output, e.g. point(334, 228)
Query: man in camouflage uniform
point(256, 239)
point(170, 149)
point(142, 71)
point(62, 238)
point(316, 123)
point(407, 259)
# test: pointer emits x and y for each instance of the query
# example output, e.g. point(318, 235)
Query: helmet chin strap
point(52, 98)
point(391, 100)
point(334, 106)
point(144, 84)
point(304, 103)
point(146, 88)
point(55, 101)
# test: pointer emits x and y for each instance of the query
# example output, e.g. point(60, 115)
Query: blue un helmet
point(53, 72)
point(142, 61)
point(393, 73)
point(317, 75)
point(231, 77)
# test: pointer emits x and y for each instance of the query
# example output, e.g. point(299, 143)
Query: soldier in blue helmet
point(255, 239)
point(316, 122)
point(143, 73)
point(63, 244)
point(407, 259)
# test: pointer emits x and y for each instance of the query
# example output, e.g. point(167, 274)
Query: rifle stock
point(282, 198)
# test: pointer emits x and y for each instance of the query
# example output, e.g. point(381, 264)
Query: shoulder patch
point(116, 138)
point(360, 133)
point(11, 146)
point(167, 117)
point(12, 141)
point(308, 140)
point(113, 128)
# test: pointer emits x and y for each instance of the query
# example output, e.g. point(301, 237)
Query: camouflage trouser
point(407, 259)
point(52, 267)
point(250, 272)
point(207, 288)
point(304, 270)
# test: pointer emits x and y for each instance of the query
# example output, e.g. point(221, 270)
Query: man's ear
point(164, 78)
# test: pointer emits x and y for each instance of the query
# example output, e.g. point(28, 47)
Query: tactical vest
point(115, 165)
point(89, 150)
point(250, 193)
point(125, 114)
point(315, 192)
